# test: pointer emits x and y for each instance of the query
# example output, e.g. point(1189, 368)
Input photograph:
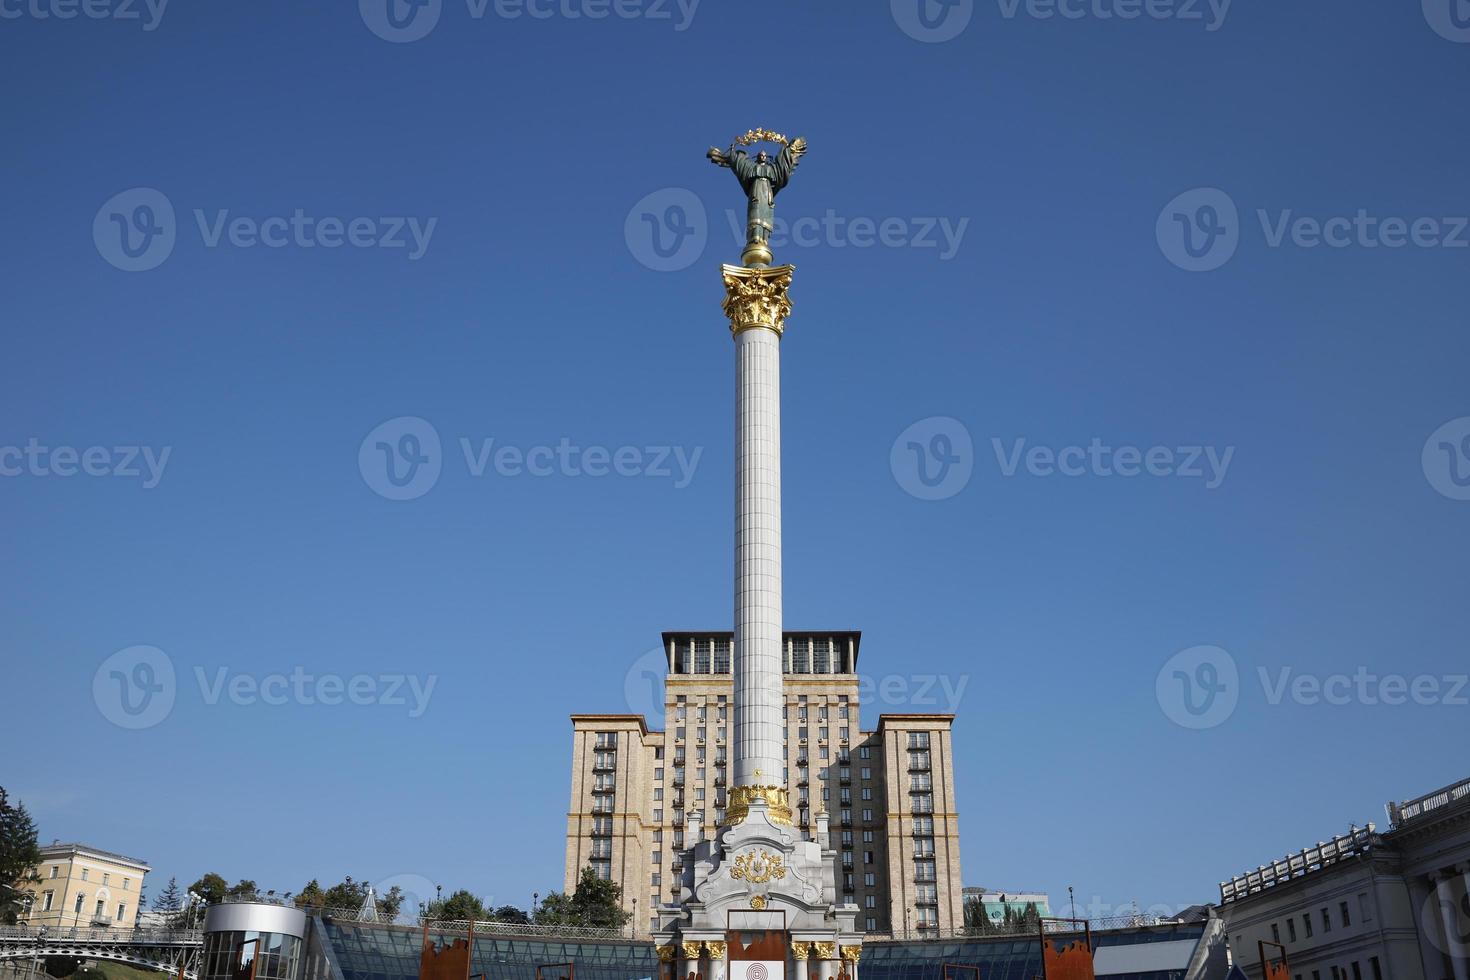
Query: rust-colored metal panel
point(1066, 954)
point(1277, 970)
point(450, 962)
point(768, 945)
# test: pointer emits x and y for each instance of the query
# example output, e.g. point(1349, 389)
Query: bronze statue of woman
point(761, 179)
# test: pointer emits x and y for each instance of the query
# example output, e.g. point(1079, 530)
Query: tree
point(349, 895)
point(242, 891)
point(509, 913)
point(170, 899)
point(597, 903)
point(461, 905)
point(211, 888)
point(19, 856)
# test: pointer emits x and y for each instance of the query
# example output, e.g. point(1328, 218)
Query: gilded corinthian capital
point(825, 951)
point(694, 950)
point(716, 950)
point(799, 951)
point(757, 297)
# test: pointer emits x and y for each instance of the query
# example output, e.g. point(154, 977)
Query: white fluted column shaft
point(757, 663)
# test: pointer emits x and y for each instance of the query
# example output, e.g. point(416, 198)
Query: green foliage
point(348, 894)
point(211, 888)
point(596, 903)
point(19, 856)
point(170, 899)
point(460, 905)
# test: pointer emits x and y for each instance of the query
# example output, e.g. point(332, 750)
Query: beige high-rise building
point(638, 795)
point(85, 886)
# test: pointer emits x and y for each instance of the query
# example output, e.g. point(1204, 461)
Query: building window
point(1377, 970)
point(918, 740)
point(1326, 921)
point(607, 740)
point(127, 884)
point(55, 871)
point(871, 901)
point(1357, 971)
point(867, 815)
point(1291, 930)
point(1307, 921)
point(869, 879)
point(1275, 933)
point(106, 878)
point(122, 911)
point(101, 909)
point(46, 906)
point(865, 753)
point(86, 873)
point(1343, 908)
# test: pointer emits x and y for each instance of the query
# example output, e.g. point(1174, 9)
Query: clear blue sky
point(533, 315)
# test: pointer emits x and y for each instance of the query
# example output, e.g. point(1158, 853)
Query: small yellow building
point(82, 886)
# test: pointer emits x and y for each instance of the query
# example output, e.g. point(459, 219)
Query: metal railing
point(1311, 859)
point(86, 934)
point(1013, 930)
point(1401, 813)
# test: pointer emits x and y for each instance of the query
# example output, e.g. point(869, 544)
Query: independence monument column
point(757, 305)
point(759, 899)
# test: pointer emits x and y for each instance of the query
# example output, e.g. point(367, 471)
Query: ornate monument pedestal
point(759, 901)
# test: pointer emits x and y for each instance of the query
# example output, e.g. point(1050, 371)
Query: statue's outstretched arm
point(718, 157)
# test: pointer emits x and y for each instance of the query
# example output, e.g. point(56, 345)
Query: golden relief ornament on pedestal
point(757, 297)
point(758, 867)
point(758, 902)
